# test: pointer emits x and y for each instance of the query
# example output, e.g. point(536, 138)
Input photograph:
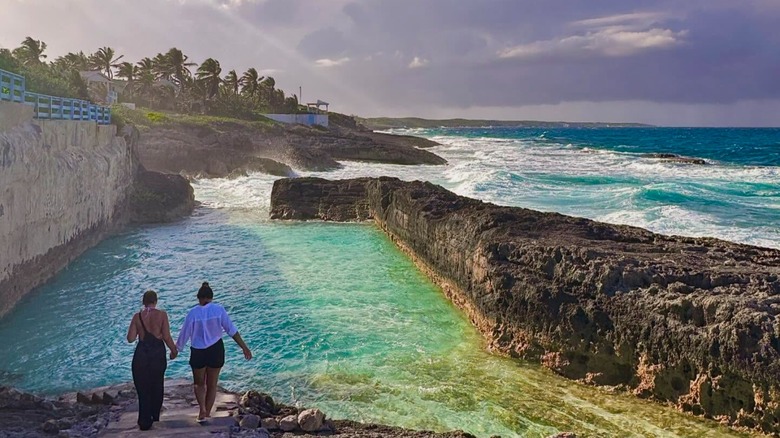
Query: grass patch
point(144, 119)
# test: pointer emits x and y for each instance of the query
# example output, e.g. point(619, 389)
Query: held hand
point(247, 354)
point(174, 353)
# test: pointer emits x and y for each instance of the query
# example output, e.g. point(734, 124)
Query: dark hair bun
point(205, 291)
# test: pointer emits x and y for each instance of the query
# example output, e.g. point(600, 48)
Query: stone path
point(178, 416)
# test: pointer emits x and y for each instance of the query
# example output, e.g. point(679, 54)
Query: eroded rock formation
point(690, 321)
point(224, 149)
point(158, 198)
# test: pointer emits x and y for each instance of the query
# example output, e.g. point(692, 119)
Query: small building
point(101, 88)
point(316, 107)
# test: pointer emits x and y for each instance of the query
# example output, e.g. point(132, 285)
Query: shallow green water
point(338, 318)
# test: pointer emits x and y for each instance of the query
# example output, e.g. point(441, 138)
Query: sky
point(663, 62)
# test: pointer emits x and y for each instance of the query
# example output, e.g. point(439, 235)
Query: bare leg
point(212, 378)
point(199, 377)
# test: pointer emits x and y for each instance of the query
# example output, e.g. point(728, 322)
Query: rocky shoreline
point(686, 321)
point(112, 412)
point(221, 149)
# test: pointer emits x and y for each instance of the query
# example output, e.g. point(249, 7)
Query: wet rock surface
point(691, 321)
point(674, 158)
point(157, 197)
point(220, 150)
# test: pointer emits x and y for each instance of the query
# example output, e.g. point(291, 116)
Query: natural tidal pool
point(337, 316)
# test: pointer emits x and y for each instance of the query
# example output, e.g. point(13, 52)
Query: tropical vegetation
point(164, 82)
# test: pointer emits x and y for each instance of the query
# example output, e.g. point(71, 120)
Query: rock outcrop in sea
point(221, 149)
point(689, 321)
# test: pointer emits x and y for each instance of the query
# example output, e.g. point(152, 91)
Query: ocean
point(340, 319)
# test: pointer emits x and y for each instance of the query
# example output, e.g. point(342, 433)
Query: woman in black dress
point(153, 331)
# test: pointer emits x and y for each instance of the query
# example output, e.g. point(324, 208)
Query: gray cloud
point(453, 56)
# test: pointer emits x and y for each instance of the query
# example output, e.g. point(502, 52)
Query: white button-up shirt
point(204, 325)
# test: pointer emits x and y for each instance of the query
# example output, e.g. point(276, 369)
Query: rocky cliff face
point(64, 186)
point(691, 321)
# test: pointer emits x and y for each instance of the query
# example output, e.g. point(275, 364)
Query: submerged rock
point(691, 321)
point(675, 158)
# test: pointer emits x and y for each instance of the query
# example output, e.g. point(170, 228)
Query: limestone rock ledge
point(691, 321)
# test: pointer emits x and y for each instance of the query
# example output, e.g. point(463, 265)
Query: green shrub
point(156, 118)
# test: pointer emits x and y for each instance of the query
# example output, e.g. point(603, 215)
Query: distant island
point(379, 123)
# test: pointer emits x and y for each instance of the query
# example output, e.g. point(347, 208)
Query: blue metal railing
point(12, 89)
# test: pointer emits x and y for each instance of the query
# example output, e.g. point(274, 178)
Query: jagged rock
point(158, 197)
point(109, 397)
point(269, 423)
point(675, 158)
point(83, 398)
point(96, 399)
point(311, 420)
point(250, 421)
point(288, 423)
point(258, 403)
point(563, 435)
point(665, 316)
point(217, 150)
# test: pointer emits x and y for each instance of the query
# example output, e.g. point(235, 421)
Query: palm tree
point(250, 82)
point(269, 82)
point(232, 82)
point(72, 61)
point(179, 65)
point(104, 60)
point(145, 66)
point(129, 72)
point(162, 67)
point(266, 91)
point(30, 52)
point(209, 74)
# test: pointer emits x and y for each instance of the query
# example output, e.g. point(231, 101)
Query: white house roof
point(94, 76)
point(165, 83)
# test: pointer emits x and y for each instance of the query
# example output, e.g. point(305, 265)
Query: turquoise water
point(338, 318)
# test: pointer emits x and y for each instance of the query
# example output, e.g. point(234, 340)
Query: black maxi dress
point(149, 364)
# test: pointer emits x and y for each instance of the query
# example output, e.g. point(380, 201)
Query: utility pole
point(300, 94)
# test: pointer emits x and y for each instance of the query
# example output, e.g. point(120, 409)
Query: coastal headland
point(685, 321)
point(218, 147)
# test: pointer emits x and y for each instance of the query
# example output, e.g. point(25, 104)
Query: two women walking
point(203, 329)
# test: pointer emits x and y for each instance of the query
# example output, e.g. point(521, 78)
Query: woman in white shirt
point(203, 328)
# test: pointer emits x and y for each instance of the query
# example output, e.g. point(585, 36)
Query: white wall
point(301, 119)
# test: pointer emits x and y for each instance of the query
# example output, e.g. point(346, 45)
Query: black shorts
point(212, 357)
